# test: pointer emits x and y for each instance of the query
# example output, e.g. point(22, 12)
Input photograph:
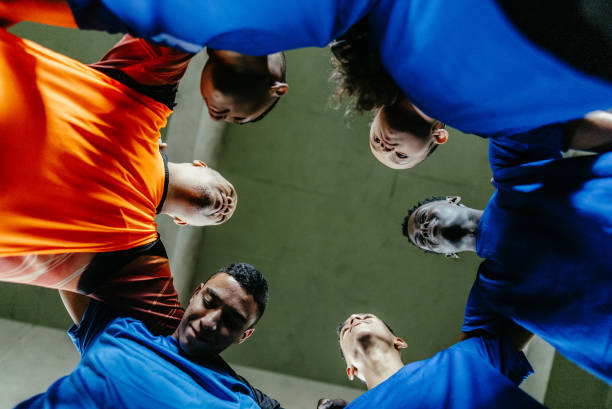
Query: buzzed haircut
point(414, 208)
point(251, 280)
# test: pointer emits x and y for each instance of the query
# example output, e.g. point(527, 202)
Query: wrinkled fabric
point(462, 62)
point(480, 372)
point(546, 235)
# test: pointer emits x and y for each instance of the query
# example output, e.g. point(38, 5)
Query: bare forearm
point(593, 133)
point(52, 12)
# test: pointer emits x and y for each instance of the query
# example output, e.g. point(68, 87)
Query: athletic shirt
point(461, 62)
point(80, 160)
point(123, 365)
point(480, 372)
point(546, 235)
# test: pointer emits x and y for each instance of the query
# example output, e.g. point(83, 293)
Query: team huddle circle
point(464, 249)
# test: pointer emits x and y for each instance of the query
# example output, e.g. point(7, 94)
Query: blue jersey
point(461, 62)
point(124, 366)
point(546, 235)
point(480, 372)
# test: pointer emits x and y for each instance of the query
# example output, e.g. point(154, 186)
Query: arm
point(76, 304)
point(254, 27)
point(53, 12)
point(144, 62)
point(593, 133)
point(519, 336)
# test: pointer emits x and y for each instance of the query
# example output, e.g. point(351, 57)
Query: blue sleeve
point(501, 354)
point(94, 321)
point(479, 316)
point(539, 144)
point(254, 27)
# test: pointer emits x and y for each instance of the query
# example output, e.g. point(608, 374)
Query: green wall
point(321, 218)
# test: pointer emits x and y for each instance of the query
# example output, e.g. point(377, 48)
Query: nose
point(210, 321)
point(354, 318)
point(385, 146)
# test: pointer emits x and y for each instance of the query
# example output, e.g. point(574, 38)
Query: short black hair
point(358, 71)
point(416, 206)
point(251, 280)
point(283, 79)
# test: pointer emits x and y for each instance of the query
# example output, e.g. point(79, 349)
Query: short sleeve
point(248, 27)
point(96, 318)
point(501, 354)
point(539, 144)
point(479, 316)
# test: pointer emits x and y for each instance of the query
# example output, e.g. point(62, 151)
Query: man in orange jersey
point(79, 212)
point(236, 88)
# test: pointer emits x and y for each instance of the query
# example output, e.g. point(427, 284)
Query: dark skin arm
point(52, 12)
point(593, 133)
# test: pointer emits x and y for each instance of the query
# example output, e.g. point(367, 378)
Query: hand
point(162, 145)
point(331, 403)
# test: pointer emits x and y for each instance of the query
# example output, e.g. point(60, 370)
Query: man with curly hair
point(463, 63)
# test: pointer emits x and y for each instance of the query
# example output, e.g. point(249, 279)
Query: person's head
point(223, 310)
point(442, 224)
point(401, 136)
point(358, 71)
point(363, 336)
point(198, 195)
point(238, 88)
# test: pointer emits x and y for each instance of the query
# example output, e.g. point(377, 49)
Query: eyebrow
point(231, 310)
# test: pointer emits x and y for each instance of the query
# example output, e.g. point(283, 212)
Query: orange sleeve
point(138, 283)
point(144, 62)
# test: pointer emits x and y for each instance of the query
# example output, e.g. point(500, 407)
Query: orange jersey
point(80, 164)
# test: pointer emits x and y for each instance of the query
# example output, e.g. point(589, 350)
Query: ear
point(199, 163)
point(351, 371)
point(245, 335)
point(278, 89)
point(451, 255)
point(453, 199)
point(179, 221)
point(440, 136)
point(400, 343)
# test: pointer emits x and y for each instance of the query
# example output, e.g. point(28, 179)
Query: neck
point(407, 105)
point(471, 225)
point(170, 204)
point(379, 364)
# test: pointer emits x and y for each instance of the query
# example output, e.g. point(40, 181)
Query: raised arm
point(248, 27)
point(53, 12)
point(75, 304)
point(519, 336)
point(593, 133)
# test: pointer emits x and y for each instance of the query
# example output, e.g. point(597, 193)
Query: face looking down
point(200, 195)
point(403, 138)
point(443, 226)
point(359, 335)
point(241, 89)
point(220, 313)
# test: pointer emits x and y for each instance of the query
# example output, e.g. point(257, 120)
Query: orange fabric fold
point(80, 168)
